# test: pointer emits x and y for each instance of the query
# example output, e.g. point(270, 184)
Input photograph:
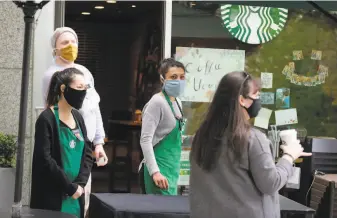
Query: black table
point(35, 213)
point(292, 207)
point(107, 205)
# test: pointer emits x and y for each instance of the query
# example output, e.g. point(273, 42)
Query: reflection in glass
point(309, 77)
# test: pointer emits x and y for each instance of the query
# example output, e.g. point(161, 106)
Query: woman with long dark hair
point(233, 172)
point(62, 157)
point(161, 137)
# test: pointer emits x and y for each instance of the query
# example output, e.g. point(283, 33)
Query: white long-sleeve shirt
point(90, 110)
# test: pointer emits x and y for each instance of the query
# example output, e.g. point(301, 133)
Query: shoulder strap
point(179, 106)
point(168, 101)
point(56, 113)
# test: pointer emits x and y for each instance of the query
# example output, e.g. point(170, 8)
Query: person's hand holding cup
point(291, 146)
point(288, 136)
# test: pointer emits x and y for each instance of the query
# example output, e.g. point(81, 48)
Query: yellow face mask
point(69, 53)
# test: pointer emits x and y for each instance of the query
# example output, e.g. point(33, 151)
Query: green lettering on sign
point(184, 165)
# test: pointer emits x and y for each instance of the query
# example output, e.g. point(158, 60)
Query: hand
point(295, 150)
point(78, 192)
point(99, 152)
point(160, 180)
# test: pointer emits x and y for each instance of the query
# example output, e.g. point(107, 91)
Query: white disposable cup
point(288, 136)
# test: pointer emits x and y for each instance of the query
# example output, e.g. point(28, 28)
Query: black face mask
point(254, 109)
point(74, 97)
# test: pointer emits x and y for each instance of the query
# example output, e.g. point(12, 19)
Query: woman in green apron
point(161, 137)
point(62, 156)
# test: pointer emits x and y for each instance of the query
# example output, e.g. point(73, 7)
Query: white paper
point(266, 80)
point(204, 69)
point(286, 117)
point(262, 119)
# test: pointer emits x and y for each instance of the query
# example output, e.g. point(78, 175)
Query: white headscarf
point(58, 32)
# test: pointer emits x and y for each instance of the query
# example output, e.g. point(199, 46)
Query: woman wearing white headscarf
point(65, 49)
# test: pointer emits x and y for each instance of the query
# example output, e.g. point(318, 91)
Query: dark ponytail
point(59, 78)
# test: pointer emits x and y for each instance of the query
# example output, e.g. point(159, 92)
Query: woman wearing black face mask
point(62, 157)
point(241, 178)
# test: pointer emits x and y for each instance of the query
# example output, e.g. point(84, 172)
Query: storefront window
point(299, 57)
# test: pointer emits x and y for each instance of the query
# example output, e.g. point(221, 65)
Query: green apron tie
point(167, 153)
point(72, 145)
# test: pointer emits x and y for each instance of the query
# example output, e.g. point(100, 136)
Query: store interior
point(121, 44)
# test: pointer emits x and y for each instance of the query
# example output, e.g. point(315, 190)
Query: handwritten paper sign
point(266, 80)
point(267, 97)
point(262, 119)
point(205, 67)
point(286, 117)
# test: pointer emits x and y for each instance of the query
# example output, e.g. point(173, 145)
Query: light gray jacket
point(248, 189)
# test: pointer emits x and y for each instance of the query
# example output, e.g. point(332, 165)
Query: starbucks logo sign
point(253, 25)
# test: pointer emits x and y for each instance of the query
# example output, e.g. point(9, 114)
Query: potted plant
point(7, 170)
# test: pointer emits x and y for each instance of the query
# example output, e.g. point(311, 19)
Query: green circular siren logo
point(253, 25)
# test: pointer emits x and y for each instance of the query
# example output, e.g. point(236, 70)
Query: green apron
point(167, 153)
point(72, 145)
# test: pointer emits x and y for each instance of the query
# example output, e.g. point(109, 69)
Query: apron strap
point(171, 106)
point(57, 117)
point(180, 120)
